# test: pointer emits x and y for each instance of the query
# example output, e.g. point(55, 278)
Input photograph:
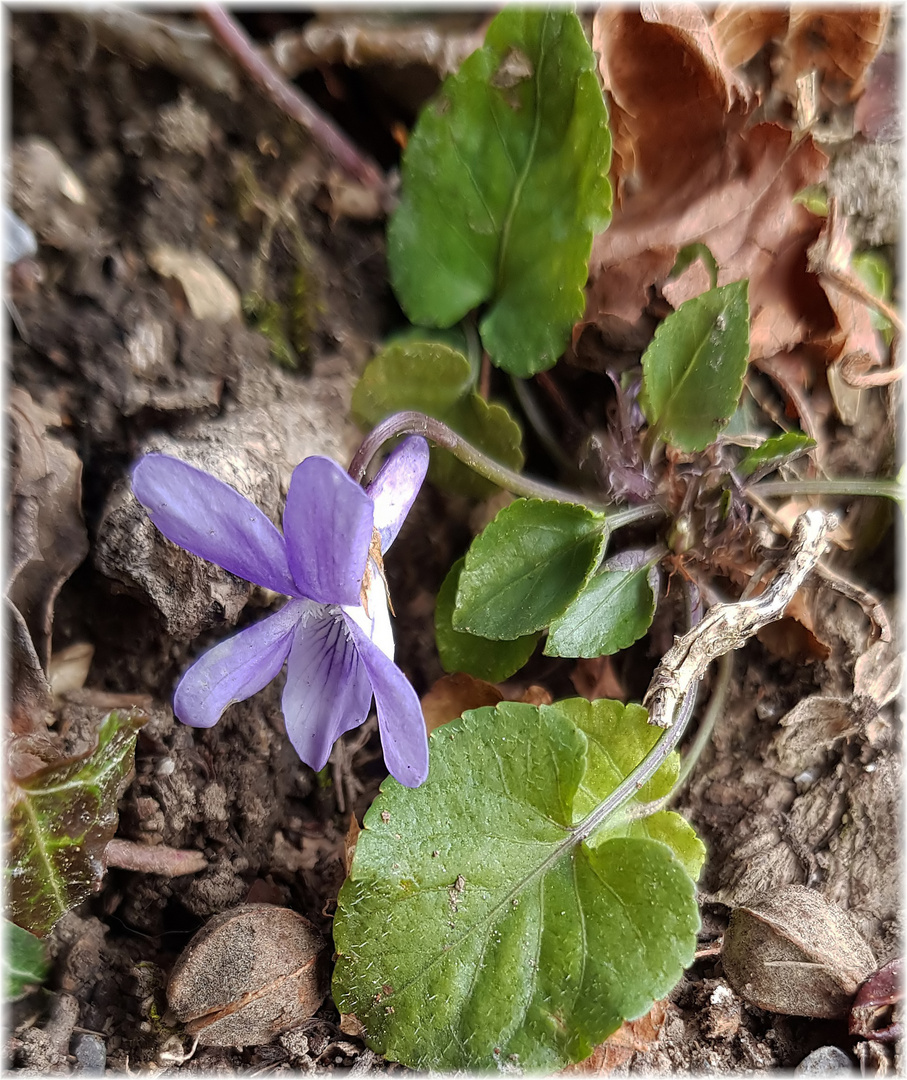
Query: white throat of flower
point(373, 617)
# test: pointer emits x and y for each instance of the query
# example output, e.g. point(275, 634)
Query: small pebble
point(91, 1054)
point(826, 1059)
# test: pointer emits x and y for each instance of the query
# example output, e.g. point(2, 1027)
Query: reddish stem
point(153, 858)
point(234, 40)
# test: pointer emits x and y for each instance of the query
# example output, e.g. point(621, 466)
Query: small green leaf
point(613, 610)
point(477, 656)
point(439, 381)
point(505, 179)
point(620, 736)
point(526, 566)
point(24, 961)
point(60, 821)
point(814, 198)
point(773, 452)
point(476, 932)
point(694, 366)
point(688, 255)
point(874, 271)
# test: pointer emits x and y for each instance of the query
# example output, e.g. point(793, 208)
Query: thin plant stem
point(713, 711)
point(643, 772)
point(656, 757)
point(882, 489)
point(416, 423)
point(234, 40)
point(540, 424)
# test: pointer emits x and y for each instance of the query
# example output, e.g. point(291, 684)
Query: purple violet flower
point(335, 631)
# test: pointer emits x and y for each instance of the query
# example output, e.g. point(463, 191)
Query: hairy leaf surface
point(505, 178)
point(60, 821)
point(526, 566)
point(476, 931)
point(694, 366)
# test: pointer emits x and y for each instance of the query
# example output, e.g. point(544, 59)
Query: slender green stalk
point(416, 423)
point(540, 424)
point(643, 772)
point(715, 709)
point(883, 489)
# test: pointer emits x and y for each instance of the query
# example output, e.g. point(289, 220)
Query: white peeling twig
point(728, 626)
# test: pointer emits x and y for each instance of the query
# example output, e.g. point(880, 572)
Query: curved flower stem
point(416, 423)
point(885, 489)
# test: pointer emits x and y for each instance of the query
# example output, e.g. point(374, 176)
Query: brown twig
point(871, 605)
point(154, 858)
point(287, 98)
point(856, 371)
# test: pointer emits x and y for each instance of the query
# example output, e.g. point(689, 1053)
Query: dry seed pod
point(248, 975)
point(792, 952)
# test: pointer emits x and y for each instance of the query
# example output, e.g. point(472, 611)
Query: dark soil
point(113, 350)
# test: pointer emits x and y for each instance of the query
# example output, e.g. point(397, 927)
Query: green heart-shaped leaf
point(613, 610)
point(477, 932)
point(505, 178)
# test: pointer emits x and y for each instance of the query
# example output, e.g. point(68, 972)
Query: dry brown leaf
point(451, 695)
point(794, 637)
point(671, 95)
point(740, 32)
point(594, 679)
point(747, 219)
point(49, 539)
point(632, 1037)
point(839, 44)
point(349, 843)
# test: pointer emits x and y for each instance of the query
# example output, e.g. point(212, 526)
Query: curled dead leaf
point(49, 539)
point(740, 32)
point(671, 94)
point(792, 952)
point(248, 975)
point(839, 44)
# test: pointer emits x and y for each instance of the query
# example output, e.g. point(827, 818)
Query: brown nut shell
point(248, 975)
point(792, 952)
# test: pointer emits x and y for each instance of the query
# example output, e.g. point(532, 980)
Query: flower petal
point(403, 735)
point(328, 525)
point(396, 486)
point(236, 668)
point(377, 624)
point(212, 520)
point(327, 690)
